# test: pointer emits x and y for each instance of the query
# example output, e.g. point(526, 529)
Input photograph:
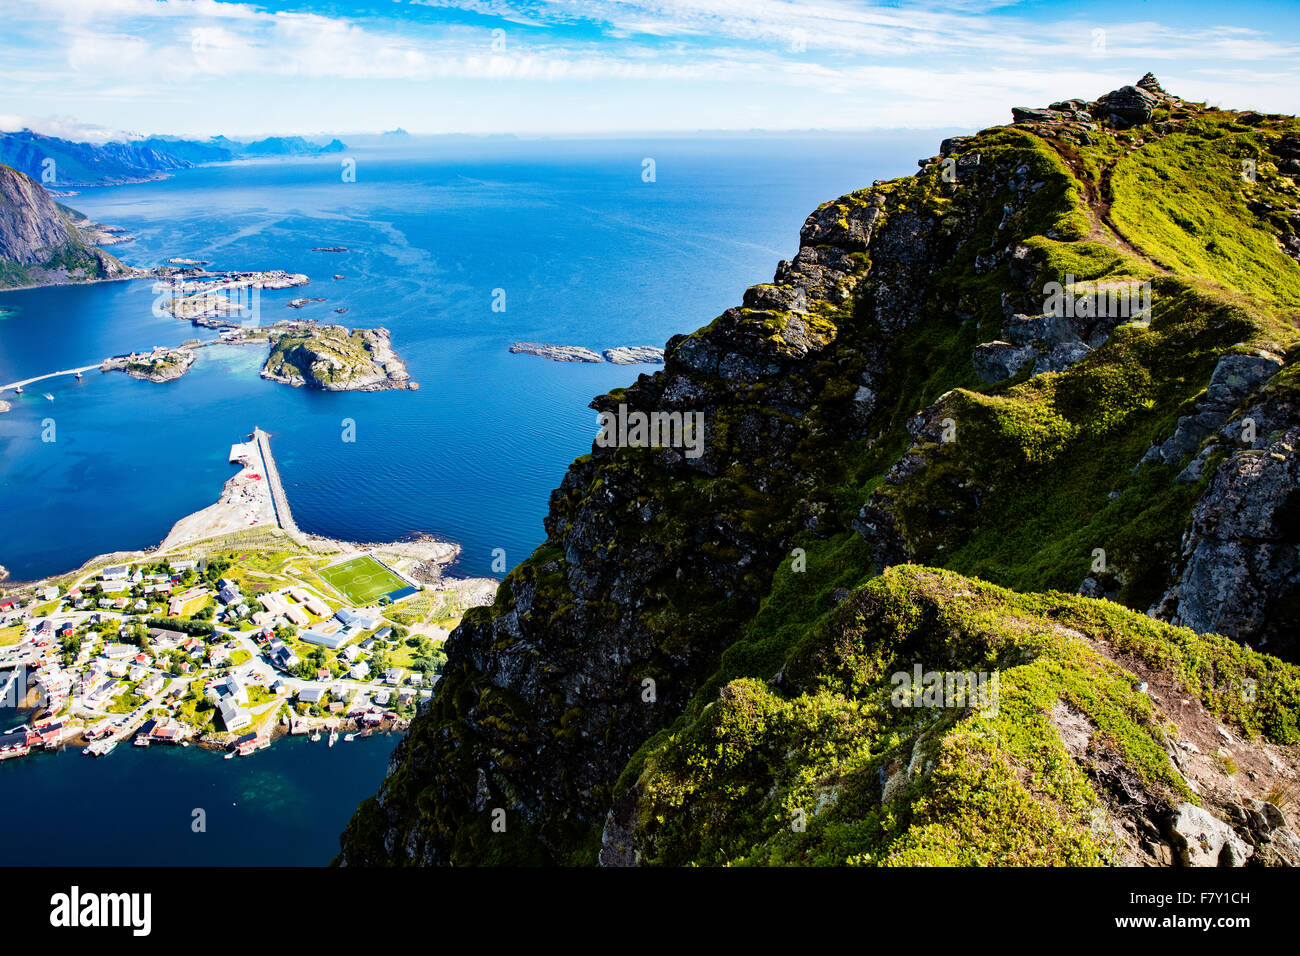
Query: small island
point(556, 353)
point(336, 359)
point(634, 355)
point(620, 355)
point(160, 365)
point(207, 301)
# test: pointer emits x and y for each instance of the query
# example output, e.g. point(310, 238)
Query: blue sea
point(587, 253)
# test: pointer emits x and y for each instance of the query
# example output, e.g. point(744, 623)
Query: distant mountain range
point(57, 162)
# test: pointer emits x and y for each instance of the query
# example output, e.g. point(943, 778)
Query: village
point(202, 652)
point(236, 629)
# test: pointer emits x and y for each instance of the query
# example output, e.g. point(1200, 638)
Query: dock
point(283, 516)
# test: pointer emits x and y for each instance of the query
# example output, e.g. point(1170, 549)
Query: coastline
point(248, 503)
point(425, 548)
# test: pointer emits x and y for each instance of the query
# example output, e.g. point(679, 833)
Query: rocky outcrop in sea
point(620, 355)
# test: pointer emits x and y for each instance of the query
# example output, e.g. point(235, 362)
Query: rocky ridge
point(39, 242)
point(691, 623)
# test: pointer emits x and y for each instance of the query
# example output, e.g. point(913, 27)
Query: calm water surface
point(587, 254)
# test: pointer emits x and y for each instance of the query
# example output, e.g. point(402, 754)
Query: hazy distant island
point(620, 355)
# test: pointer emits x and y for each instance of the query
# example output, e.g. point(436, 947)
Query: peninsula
point(238, 627)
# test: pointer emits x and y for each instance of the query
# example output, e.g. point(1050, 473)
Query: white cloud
point(65, 127)
point(942, 63)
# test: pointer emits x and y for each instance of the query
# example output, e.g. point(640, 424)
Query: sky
point(102, 69)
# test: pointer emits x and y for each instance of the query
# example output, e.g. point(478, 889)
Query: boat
point(78, 376)
point(334, 736)
point(230, 756)
point(348, 738)
point(315, 738)
point(49, 397)
point(185, 743)
point(102, 748)
point(142, 741)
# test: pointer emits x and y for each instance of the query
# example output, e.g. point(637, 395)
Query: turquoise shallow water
point(588, 255)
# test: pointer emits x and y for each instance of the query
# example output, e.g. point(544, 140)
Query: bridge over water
point(40, 378)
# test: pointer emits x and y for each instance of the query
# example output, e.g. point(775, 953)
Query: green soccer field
point(362, 580)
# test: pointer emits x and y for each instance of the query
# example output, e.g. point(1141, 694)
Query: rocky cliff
point(39, 244)
point(1060, 359)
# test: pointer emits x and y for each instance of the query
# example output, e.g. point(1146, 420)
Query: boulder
point(952, 144)
point(1127, 106)
point(1201, 839)
point(1027, 114)
point(1236, 376)
point(995, 361)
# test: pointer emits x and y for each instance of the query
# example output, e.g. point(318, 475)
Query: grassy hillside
point(856, 430)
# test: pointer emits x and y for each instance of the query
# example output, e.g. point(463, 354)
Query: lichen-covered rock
point(1234, 379)
point(1201, 839)
point(1241, 558)
point(1127, 106)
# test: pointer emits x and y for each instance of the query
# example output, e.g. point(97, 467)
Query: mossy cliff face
point(1080, 754)
point(39, 245)
point(899, 393)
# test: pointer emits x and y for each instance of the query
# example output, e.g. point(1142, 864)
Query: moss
point(761, 775)
point(1183, 199)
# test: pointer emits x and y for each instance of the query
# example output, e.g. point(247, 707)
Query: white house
point(234, 717)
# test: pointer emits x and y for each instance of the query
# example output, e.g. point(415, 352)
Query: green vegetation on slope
point(779, 661)
point(808, 775)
